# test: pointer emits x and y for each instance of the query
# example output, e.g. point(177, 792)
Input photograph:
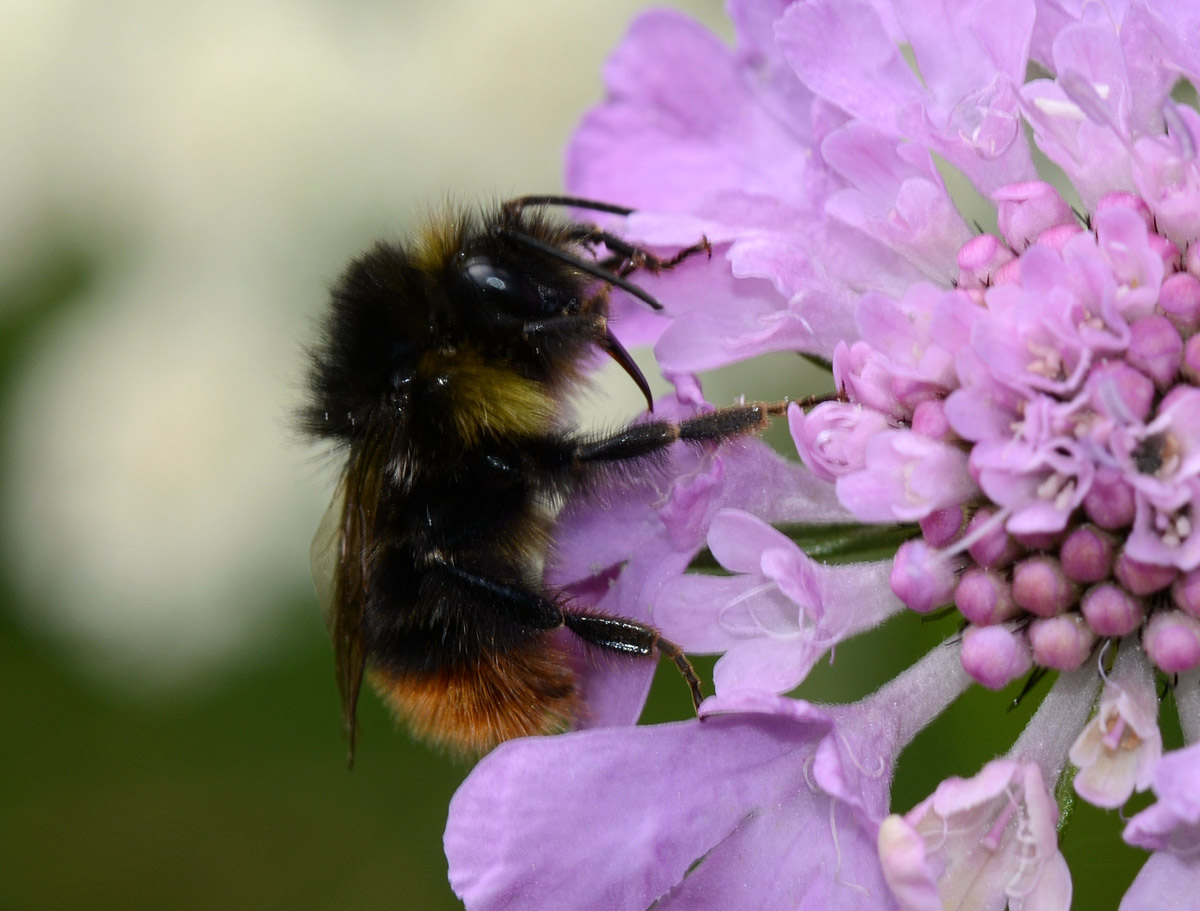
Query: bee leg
point(627, 258)
point(639, 440)
point(616, 634)
point(591, 267)
point(736, 420)
point(620, 635)
point(523, 606)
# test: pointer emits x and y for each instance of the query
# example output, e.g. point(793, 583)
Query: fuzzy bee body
point(442, 376)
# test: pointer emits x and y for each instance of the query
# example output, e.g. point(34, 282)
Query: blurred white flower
point(153, 510)
point(219, 163)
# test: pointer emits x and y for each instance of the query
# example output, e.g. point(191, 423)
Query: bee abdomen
point(470, 707)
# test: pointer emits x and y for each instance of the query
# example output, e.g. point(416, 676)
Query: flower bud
point(995, 655)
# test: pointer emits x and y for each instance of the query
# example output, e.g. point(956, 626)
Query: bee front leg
point(628, 257)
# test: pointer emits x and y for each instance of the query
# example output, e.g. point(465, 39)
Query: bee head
point(534, 299)
point(504, 302)
point(514, 303)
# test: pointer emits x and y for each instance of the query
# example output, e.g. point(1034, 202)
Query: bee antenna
point(576, 202)
point(591, 268)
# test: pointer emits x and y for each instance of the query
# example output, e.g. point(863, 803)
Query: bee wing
point(325, 556)
point(340, 556)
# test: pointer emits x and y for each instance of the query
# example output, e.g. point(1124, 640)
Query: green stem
point(845, 543)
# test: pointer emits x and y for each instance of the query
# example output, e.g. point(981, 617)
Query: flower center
point(1070, 393)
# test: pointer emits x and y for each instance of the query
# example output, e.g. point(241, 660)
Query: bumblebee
point(442, 377)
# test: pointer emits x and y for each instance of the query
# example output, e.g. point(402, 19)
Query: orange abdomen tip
point(475, 705)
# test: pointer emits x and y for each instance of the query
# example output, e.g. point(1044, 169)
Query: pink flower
point(1019, 409)
point(990, 840)
point(777, 614)
point(906, 476)
point(976, 839)
point(831, 438)
point(1172, 824)
point(767, 802)
point(1119, 749)
point(1171, 829)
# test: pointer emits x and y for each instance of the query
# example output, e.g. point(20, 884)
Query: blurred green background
point(180, 183)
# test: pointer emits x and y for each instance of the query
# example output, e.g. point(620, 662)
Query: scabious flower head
point(1023, 402)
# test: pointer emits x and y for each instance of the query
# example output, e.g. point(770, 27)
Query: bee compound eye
point(505, 288)
point(490, 277)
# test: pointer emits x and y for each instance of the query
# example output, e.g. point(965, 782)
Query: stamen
point(1050, 487)
point(877, 773)
point(722, 615)
point(1057, 107)
point(995, 835)
point(837, 850)
point(1114, 731)
point(1063, 500)
point(1048, 361)
point(975, 534)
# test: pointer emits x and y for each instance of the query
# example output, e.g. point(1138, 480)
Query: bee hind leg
point(519, 604)
point(620, 635)
point(616, 634)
